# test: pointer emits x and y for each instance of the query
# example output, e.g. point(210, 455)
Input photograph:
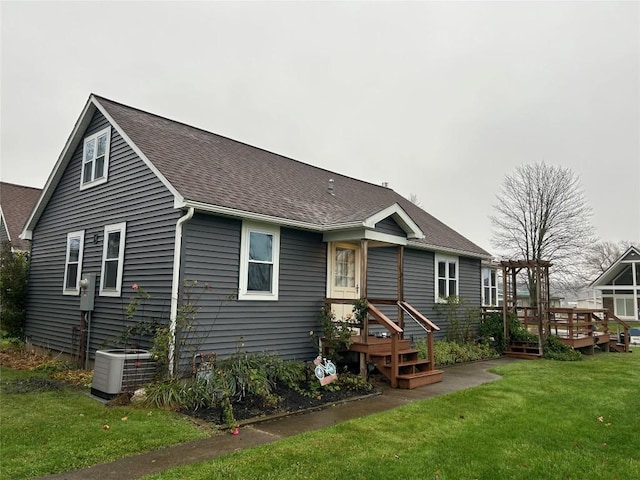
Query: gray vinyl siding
point(382, 280)
point(419, 287)
point(4, 236)
point(390, 227)
point(132, 194)
point(211, 255)
point(419, 290)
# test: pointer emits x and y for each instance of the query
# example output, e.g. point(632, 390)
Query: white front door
point(344, 275)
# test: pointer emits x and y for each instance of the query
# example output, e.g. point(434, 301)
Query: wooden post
point(505, 302)
point(401, 285)
point(394, 360)
point(364, 256)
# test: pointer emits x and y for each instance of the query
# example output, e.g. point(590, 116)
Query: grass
point(543, 420)
point(56, 431)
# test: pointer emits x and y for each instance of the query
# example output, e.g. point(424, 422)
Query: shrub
point(492, 331)
point(224, 382)
point(555, 349)
point(14, 268)
point(337, 334)
point(461, 319)
point(449, 353)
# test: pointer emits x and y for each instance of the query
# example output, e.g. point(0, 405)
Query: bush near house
point(14, 267)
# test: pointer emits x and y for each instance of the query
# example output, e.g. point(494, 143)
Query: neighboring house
point(619, 286)
point(16, 203)
point(137, 198)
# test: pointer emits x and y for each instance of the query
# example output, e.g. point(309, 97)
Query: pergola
point(538, 273)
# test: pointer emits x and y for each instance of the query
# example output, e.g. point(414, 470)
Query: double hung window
point(259, 262)
point(73, 263)
point(112, 260)
point(95, 158)
point(489, 287)
point(446, 277)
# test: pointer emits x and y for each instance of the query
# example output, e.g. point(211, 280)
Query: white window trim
point(274, 231)
point(122, 228)
point(93, 182)
point(76, 290)
point(487, 302)
point(449, 259)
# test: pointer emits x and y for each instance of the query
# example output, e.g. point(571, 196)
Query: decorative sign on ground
point(325, 370)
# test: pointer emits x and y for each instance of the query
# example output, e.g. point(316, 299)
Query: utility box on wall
point(87, 292)
point(120, 370)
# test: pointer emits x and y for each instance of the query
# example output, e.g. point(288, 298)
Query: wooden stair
point(617, 346)
point(526, 350)
point(413, 372)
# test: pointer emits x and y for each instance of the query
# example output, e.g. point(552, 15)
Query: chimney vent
point(385, 184)
point(330, 186)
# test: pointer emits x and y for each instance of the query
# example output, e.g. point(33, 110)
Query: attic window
point(95, 158)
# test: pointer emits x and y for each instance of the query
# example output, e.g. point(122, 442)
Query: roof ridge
point(99, 97)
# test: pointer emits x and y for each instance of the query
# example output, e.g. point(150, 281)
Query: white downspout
point(175, 286)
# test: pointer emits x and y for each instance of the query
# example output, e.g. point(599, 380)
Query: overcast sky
point(439, 99)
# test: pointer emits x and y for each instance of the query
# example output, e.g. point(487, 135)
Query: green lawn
point(56, 431)
point(543, 420)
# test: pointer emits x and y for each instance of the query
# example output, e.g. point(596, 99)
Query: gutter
point(175, 286)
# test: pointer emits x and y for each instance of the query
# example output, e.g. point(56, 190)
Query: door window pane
point(345, 266)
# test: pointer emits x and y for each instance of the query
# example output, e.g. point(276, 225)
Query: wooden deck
point(577, 327)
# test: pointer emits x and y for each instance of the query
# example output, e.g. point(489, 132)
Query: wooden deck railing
point(572, 324)
point(395, 333)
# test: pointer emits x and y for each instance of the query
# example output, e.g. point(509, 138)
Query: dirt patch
point(31, 385)
point(19, 359)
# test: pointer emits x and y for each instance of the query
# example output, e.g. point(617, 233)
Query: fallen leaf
point(601, 419)
point(124, 419)
point(105, 427)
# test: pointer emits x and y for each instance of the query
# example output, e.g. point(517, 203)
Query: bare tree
point(600, 256)
point(542, 214)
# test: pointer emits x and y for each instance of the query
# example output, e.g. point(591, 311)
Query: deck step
point(524, 355)
point(419, 379)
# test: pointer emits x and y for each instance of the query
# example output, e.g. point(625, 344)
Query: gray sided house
point(139, 199)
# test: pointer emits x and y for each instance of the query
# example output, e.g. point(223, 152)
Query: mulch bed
point(251, 408)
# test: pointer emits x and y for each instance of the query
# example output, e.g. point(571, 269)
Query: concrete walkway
point(259, 433)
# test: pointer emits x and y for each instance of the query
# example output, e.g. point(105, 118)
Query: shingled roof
point(16, 202)
point(210, 170)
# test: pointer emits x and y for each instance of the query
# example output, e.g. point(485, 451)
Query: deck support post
point(364, 257)
point(401, 285)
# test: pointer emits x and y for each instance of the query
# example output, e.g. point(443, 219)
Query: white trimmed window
point(73, 263)
point(446, 277)
point(625, 306)
point(489, 287)
point(112, 260)
point(259, 262)
point(95, 158)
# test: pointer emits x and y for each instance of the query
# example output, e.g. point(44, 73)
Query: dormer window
point(95, 158)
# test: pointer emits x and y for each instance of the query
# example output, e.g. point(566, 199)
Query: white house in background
point(619, 286)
